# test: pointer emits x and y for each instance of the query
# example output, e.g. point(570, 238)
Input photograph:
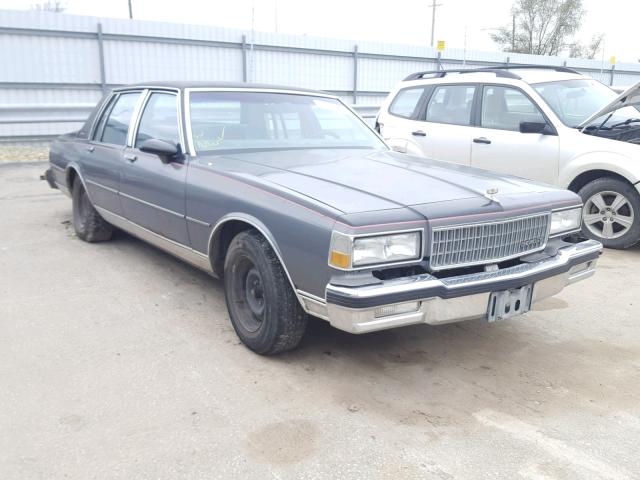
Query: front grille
point(488, 242)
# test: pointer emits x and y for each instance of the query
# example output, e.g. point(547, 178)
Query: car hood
point(357, 180)
point(629, 98)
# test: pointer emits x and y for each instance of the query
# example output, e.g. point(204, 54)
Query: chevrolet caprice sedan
point(302, 209)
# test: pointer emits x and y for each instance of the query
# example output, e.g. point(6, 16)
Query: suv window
point(451, 104)
point(406, 101)
point(159, 119)
point(504, 108)
point(117, 125)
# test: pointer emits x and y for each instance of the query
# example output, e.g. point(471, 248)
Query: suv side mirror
point(537, 127)
point(167, 151)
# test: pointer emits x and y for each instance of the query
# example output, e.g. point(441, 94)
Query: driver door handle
point(484, 140)
point(419, 133)
point(130, 157)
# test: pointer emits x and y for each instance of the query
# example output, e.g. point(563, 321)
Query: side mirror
point(167, 151)
point(537, 127)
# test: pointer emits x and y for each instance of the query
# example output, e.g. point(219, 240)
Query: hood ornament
point(490, 194)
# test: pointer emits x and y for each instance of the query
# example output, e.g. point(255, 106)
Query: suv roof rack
point(500, 71)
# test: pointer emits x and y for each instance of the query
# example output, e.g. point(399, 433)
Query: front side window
point(405, 103)
point(159, 119)
point(451, 104)
point(503, 108)
point(117, 124)
point(260, 120)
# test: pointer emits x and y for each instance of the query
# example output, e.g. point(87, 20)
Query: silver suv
point(553, 125)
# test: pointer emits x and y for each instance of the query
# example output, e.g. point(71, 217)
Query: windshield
point(223, 121)
point(573, 101)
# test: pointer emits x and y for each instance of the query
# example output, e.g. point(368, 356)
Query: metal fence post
point(244, 58)
point(355, 74)
point(506, 64)
point(438, 58)
point(613, 68)
point(103, 74)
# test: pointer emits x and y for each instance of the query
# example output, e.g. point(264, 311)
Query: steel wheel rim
point(608, 215)
point(249, 295)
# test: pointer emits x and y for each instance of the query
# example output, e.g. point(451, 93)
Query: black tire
point(607, 186)
point(87, 222)
point(263, 308)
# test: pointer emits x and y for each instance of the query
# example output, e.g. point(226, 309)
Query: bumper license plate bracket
point(509, 303)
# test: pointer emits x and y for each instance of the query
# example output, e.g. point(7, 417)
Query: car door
point(446, 123)
point(402, 129)
point(498, 144)
point(102, 158)
point(152, 188)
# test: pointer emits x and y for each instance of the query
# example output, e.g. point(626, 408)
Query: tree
point(49, 6)
point(541, 27)
point(590, 50)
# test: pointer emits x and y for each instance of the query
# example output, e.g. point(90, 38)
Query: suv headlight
point(353, 252)
point(565, 221)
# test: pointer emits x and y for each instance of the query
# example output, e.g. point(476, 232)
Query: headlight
point(565, 221)
point(347, 252)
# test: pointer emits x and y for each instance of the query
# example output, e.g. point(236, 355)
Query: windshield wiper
point(628, 121)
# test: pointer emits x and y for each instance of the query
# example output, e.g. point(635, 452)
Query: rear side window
point(406, 101)
point(451, 104)
point(159, 119)
point(117, 124)
point(503, 108)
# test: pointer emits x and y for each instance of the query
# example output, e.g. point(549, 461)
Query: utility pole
point(434, 5)
point(513, 34)
point(130, 10)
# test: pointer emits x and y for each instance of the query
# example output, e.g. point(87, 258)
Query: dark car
point(302, 209)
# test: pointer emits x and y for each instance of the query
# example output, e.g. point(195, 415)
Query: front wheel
point(611, 212)
point(264, 310)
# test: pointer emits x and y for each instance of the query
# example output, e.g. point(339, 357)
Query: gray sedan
point(303, 210)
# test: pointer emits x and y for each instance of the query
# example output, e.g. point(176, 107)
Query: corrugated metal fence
point(55, 67)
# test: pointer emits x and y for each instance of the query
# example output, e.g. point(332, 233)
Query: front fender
point(617, 163)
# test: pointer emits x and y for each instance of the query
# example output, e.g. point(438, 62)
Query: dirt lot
point(118, 361)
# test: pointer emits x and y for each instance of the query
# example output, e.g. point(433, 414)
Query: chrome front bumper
point(427, 299)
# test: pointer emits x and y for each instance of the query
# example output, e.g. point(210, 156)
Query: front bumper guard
point(365, 308)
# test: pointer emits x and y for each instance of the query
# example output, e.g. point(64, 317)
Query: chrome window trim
point(136, 126)
point(135, 117)
point(98, 117)
point(104, 106)
point(378, 234)
point(492, 260)
point(187, 107)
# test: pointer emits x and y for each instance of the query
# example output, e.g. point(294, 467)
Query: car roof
point(224, 85)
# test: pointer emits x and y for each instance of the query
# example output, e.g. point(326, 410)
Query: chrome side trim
point(104, 187)
point(149, 204)
point(198, 222)
point(176, 249)
point(57, 167)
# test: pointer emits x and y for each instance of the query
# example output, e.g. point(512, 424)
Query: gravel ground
point(118, 361)
point(23, 153)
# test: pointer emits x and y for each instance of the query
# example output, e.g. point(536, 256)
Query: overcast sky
point(398, 21)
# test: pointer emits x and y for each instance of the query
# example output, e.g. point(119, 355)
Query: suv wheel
point(264, 310)
point(611, 212)
point(87, 222)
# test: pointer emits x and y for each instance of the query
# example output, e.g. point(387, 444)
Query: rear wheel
point(611, 212)
point(264, 310)
point(87, 222)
